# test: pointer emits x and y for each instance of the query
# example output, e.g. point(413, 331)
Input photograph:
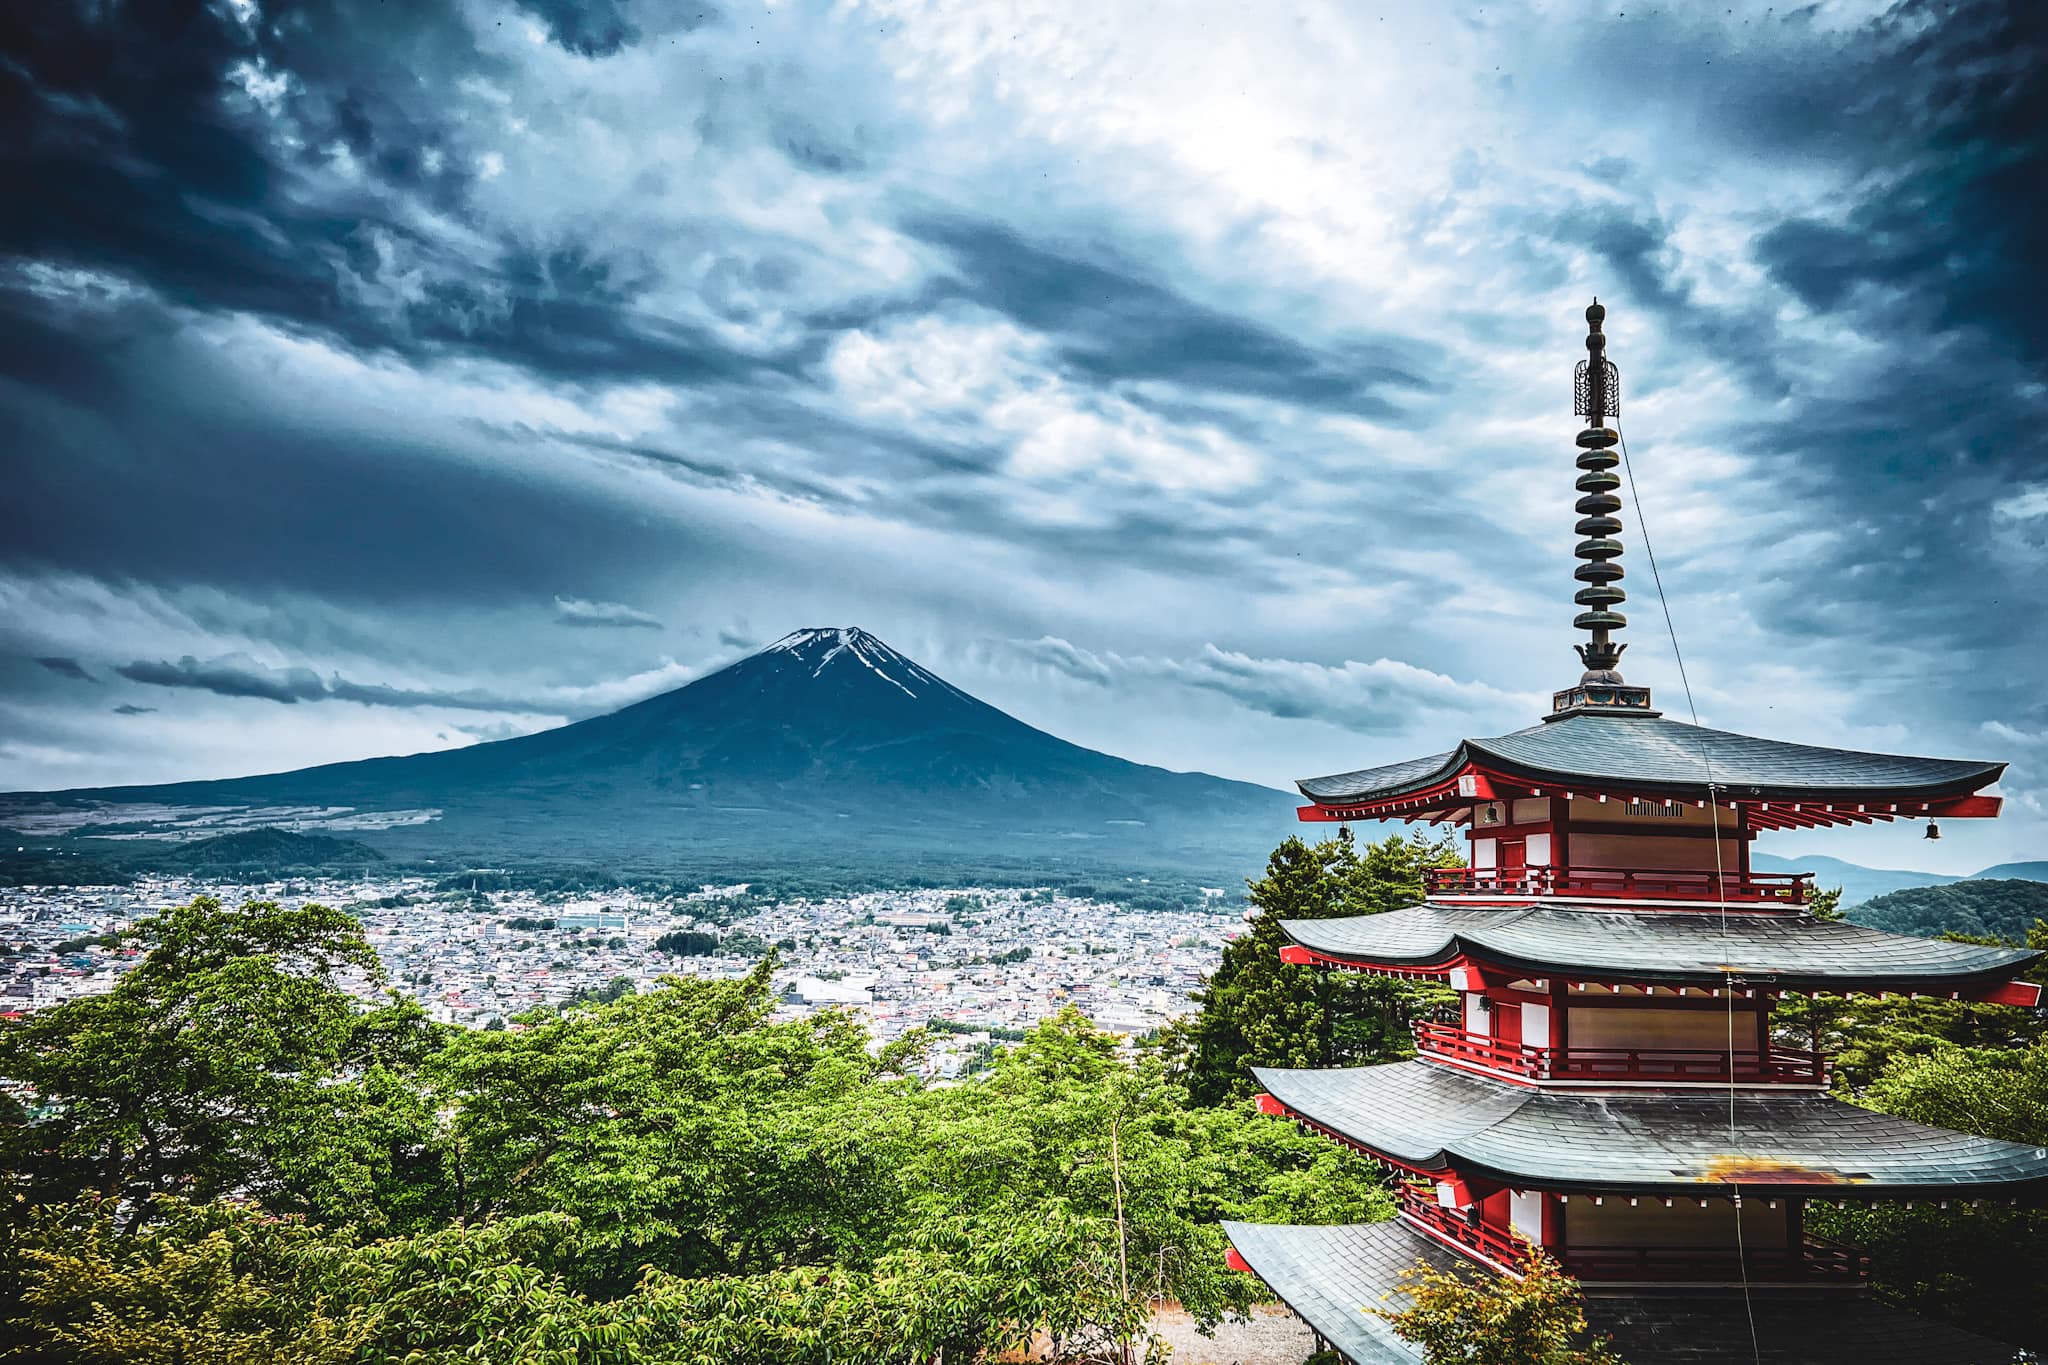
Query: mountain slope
point(2025, 872)
point(267, 849)
point(1858, 883)
point(1990, 909)
point(826, 736)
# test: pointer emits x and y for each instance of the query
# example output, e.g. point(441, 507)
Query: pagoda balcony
point(1623, 883)
point(1622, 1066)
point(1813, 1262)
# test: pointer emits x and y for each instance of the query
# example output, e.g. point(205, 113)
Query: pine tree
point(1259, 1011)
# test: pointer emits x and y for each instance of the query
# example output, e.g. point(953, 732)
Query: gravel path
point(1274, 1336)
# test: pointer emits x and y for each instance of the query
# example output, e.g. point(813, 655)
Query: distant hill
point(2026, 872)
point(2005, 908)
point(270, 849)
point(1860, 884)
point(828, 748)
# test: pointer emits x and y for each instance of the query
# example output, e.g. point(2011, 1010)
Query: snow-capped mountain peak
point(820, 647)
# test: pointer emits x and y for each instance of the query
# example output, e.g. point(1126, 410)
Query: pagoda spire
point(1598, 396)
point(1599, 392)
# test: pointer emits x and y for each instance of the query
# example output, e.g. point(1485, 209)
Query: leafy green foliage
point(1259, 1011)
point(2001, 909)
point(237, 1160)
point(1537, 1320)
point(200, 1284)
point(1997, 1092)
point(185, 1076)
point(687, 943)
point(1978, 1266)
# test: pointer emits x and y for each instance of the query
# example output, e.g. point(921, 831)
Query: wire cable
point(1720, 873)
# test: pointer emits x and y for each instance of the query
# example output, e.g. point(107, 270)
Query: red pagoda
point(1611, 1087)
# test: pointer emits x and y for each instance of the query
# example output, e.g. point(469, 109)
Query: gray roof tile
point(1662, 756)
point(1333, 1277)
point(1435, 1118)
point(1789, 951)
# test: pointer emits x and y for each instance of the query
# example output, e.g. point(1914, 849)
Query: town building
point(1612, 1087)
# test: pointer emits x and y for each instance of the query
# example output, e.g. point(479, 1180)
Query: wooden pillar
point(1742, 842)
point(1560, 833)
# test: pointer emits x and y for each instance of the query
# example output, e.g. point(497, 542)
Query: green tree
point(1257, 1010)
point(1493, 1320)
point(1064, 1129)
point(1980, 1267)
point(197, 1062)
point(1863, 1033)
point(199, 1285)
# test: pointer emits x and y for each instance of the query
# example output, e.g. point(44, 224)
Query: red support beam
point(1967, 808)
point(2026, 994)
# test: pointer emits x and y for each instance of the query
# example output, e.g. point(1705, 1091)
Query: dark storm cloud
point(573, 611)
point(1941, 271)
point(66, 668)
point(144, 153)
point(140, 444)
point(129, 709)
point(1963, 227)
point(590, 28)
point(1636, 249)
point(233, 676)
point(229, 678)
point(352, 333)
point(1114, 322)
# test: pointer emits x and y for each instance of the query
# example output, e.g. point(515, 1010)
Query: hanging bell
point(1933, 830)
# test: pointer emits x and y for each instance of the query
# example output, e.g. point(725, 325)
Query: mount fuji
point(826, 739)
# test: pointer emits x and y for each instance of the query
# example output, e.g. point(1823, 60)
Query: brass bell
point(1933, 830)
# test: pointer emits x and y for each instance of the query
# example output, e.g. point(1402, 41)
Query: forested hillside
point(2003, 909)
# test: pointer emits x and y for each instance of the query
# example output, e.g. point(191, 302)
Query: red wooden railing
point(1778, 1066)
point(1638, 883)
point(1815, 1261)
point(1452, 1225)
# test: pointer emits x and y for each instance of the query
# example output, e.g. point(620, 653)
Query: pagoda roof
point(1332, 1277)
point(1664, 947)
point(1666, 757)
point(1435, 1119)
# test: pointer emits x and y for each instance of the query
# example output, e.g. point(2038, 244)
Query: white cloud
point(984, 381)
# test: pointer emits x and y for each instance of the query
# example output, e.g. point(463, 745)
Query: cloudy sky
point(1192, 380)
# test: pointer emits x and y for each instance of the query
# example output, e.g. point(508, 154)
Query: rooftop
point(1774, 949)
point(1653, 755)
point(1434, 1119)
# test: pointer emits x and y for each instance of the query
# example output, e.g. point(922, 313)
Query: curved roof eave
point(1654, 947)
point(1658, 756)
point(1433, 1118)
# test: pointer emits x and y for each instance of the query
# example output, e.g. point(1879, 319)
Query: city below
point(975, 964)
